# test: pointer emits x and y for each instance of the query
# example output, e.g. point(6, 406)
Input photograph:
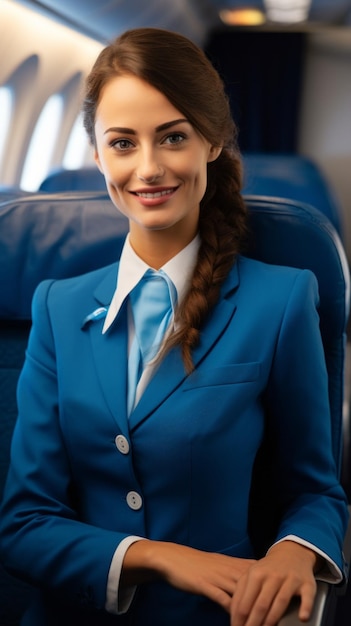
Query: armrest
point(324, 591)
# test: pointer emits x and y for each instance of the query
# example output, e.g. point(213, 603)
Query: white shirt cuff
point(118, 601)
point(330, 572)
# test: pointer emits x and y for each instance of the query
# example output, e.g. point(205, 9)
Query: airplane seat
point(65, 234)
point(82, 179)
point(294, 177)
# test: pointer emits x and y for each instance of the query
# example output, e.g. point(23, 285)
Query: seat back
point(293, 177)
point(60, 235)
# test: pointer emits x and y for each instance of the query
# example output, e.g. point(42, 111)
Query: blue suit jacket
point(193, 441)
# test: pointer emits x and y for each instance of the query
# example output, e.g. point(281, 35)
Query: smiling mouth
point(155, 194)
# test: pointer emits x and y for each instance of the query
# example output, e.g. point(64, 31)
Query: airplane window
point(77, 146)
point(38, 160)
point(6, 101)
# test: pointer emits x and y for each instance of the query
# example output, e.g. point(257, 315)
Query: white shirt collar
point(131, 269)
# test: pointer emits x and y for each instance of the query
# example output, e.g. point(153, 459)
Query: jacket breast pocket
point(226, 375)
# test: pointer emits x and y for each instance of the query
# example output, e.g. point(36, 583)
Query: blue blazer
point(184, 471)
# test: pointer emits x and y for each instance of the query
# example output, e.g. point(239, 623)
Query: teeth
point(158, 194)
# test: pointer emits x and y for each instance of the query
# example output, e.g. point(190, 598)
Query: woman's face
point(153, 160)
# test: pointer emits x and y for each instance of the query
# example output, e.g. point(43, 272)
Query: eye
point(121, 144)
point(174, 138)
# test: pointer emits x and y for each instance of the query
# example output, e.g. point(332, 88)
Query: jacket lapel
point(171, 373)
point(110, 353)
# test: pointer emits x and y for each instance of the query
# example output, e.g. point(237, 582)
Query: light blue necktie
point(152, 311)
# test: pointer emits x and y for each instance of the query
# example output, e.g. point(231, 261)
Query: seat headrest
point(54, 236)
point(286, 232)
point(83, 179)
point(291, 176)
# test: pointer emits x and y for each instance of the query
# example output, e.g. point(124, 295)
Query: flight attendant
point(129, 498)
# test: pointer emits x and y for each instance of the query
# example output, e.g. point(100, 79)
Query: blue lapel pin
point(94, 316)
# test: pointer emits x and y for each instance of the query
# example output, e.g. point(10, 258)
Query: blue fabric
point(152, 311)
point(293, 177)
point(151, 304)
point(82, 179)
point(264, 87)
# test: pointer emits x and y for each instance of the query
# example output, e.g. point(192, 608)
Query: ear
point(214, 153)
point(97, 160)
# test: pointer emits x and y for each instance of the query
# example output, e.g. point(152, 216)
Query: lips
point(158, 194)
point(155, 193)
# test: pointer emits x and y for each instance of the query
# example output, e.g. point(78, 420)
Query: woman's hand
point(265, 590)
point(212, 575)
point(255, 593)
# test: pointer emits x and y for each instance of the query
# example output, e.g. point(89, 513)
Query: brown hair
point(181, 71)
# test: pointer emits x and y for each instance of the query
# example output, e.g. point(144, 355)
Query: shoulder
point(80, 282)
point(68, 293)
point(258, 270)
point(276, 281)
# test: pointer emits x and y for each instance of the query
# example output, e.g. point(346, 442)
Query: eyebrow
point(130, 131)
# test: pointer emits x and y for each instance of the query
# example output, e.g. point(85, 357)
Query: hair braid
point(222, 229)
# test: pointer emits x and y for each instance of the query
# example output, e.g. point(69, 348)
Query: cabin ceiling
point(105, 19)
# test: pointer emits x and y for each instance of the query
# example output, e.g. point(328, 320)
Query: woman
point(129, 500)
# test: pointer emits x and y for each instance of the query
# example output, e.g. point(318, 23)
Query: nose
point(149, 170)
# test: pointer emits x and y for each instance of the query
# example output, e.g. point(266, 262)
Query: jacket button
point(134, 500)
point(122, 444)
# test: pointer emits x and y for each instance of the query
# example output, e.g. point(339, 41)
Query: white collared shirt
point(132, 268)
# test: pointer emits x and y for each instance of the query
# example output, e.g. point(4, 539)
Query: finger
point(245, 596)
point(308, 596)
point(260, 603)
point(271, 604)
point(283, 599)
point(279, 603)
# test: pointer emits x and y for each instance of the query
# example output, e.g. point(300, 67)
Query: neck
point(158, 247)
